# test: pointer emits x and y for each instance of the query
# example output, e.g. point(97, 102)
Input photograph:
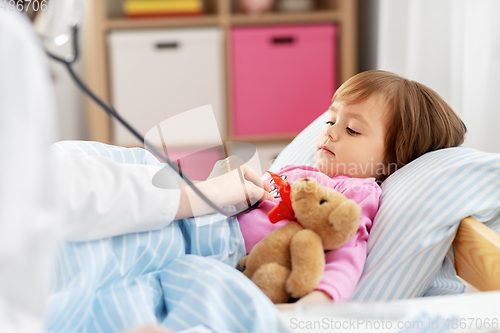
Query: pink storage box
point(283, 77)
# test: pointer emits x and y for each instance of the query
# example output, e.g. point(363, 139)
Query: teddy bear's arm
point(308, 263)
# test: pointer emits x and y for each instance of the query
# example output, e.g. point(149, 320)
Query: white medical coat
point(44, 196)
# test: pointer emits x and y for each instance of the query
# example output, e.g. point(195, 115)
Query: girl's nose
point(331, 134)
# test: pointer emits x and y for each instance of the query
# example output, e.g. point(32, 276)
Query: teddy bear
point(289, 262)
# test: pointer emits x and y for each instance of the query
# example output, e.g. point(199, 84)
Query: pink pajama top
point(343, 266)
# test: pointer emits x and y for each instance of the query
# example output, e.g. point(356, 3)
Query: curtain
point(452, 46)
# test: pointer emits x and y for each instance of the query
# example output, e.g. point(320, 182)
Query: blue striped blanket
point(180, 276)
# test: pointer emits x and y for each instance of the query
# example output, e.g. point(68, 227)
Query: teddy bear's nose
point(306, 179)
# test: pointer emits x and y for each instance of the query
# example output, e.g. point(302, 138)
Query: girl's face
point(353, 140)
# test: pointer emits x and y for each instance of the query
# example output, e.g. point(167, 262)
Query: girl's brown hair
point(418, 119)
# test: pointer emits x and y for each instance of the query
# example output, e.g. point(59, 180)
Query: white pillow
point(421, 206)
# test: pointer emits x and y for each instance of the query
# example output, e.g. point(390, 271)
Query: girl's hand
point(230, 188)
point(315, 296)
point(150, 329)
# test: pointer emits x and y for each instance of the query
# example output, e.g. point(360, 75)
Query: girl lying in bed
point(181, 274)
point(377, 123)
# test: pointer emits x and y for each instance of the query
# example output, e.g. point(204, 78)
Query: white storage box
point(156, 74)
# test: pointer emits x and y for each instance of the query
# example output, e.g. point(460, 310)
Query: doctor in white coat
point(40, 191)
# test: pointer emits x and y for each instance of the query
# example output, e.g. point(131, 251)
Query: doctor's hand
point(231, 188)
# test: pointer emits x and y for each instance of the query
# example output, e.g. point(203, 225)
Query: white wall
point(452, 46)
point(70, 103)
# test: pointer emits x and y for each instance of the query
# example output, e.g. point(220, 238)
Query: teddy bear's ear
point(345, 217)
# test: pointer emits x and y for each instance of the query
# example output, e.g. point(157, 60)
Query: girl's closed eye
point(352, 132)
point(348, 129)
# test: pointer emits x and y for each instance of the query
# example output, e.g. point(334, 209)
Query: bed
point(477, 255)
point(477, 258)
point(118, 283)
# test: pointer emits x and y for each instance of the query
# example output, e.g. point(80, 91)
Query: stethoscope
point(274, 188)
point(231, 211)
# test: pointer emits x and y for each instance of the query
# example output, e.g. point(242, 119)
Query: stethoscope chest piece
point(275, 190)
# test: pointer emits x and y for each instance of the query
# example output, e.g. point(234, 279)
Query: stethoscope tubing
point(112, 113)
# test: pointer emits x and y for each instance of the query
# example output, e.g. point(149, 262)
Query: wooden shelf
point(280, 18)
point(107, 15)
point(151, 23)
point(234, 19)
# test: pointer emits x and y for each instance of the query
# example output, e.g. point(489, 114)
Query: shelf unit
point(105, 16)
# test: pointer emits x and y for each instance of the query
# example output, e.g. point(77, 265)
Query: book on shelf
point(160, 8)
